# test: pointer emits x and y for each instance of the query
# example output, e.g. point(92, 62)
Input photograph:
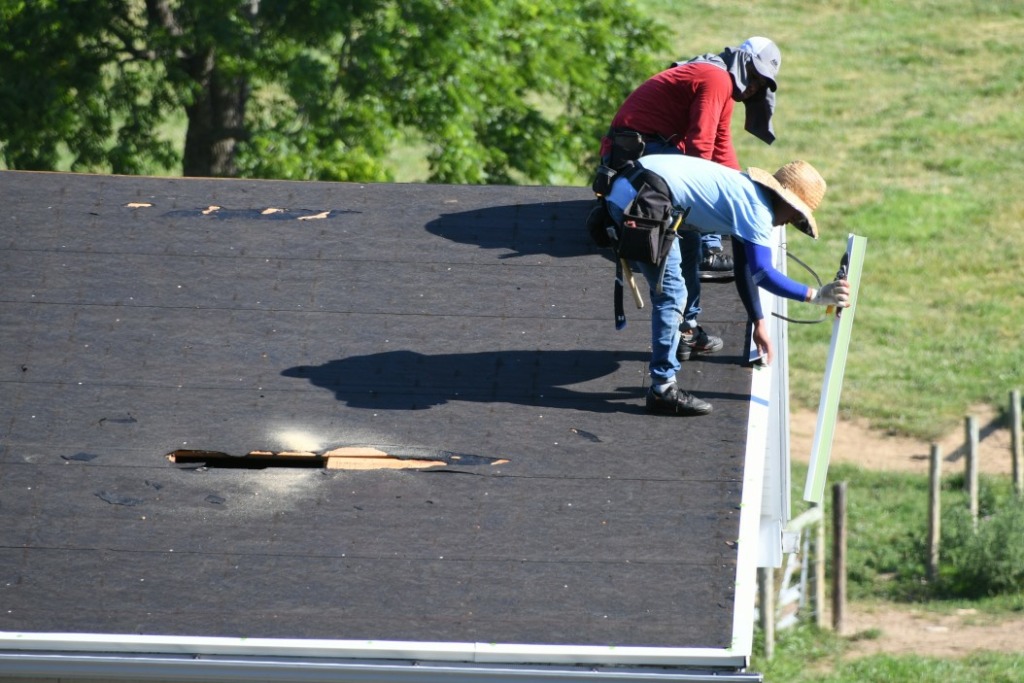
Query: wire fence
point(797, 592)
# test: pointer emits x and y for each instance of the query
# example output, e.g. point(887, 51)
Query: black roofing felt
point(461, 321)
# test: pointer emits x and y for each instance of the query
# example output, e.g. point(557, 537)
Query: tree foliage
point(499, 90)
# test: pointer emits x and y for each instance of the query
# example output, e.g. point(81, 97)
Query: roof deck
point(520, 500)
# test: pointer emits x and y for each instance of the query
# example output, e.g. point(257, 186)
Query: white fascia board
point(623, 656)
point(749, 550)
point(183, 668)
point(763, 507)
point(491, 653)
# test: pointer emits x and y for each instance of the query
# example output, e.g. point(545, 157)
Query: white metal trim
point(491, 653)
point(749, 550)
point(181, 668)
point(832, 384)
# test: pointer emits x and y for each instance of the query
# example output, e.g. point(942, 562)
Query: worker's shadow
point(406, 380)
point(555, 229)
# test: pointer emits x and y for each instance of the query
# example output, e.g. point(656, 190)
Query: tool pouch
point(640, 239)
point(646, 231)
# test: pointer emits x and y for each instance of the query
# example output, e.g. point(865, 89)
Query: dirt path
point(856, 443)
point(899, 629)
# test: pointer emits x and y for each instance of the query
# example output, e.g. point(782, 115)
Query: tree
point(499, 90)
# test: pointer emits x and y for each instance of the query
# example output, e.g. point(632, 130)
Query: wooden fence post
point(838, 556)
point(971, 429)
point(934, 510)
point(1015, 431)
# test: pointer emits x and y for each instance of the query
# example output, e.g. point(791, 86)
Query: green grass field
point(911, 110)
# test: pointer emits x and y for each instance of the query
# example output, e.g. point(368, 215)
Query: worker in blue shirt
point(746, 205)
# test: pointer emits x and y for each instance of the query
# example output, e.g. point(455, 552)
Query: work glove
point(836, 293)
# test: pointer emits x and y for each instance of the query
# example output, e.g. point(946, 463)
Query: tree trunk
point(216, 120)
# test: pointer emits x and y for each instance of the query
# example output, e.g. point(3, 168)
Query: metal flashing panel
point(832, 385)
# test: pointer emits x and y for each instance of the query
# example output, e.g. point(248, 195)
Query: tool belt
point(647, 230)
point(644, 233)
point(627, 147)
point(649, 223)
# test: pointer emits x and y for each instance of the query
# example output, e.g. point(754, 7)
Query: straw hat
point(799, 185)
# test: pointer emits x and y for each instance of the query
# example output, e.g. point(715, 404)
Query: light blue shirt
point(721, 200)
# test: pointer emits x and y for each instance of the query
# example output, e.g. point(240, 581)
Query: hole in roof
point(344, 458)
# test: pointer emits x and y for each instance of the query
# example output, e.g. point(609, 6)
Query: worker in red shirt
point(687, 109)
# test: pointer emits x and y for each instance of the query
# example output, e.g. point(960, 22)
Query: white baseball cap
point(766, 57)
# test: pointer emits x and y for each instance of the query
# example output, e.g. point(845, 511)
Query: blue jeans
point(666, 309)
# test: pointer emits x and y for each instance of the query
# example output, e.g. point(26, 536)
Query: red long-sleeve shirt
point(690, 105)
